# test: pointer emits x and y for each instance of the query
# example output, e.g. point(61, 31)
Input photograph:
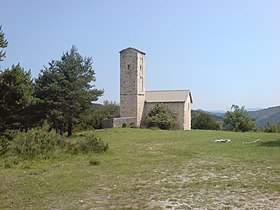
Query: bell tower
point(132, 84)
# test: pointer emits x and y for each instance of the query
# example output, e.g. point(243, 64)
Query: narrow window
point(128, 66)
point(141, 65)
point(141, 84)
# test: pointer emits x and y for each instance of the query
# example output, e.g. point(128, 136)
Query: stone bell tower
point(132, 84)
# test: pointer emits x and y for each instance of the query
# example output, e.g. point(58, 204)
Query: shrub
point(160, 116)
point(132, 125)
point(9, 134)
point(94, 162)
point(40, 143)
point(10, 161)
point(268, 128)
point(86, 143)
point(4, 145)
point(35, 142)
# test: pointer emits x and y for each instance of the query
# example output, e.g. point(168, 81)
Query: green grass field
point(152, 169)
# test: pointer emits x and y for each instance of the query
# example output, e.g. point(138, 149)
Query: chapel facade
point(135, 101)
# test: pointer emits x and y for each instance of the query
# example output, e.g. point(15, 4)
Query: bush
point(161, 117)
point(94, 162)
point(4, 145)
point(132, 125)
point(10, 161)
point(268, 128)
point(35, 142)
point(86, 143)
point(39, 143)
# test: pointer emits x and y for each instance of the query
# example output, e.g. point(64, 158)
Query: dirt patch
point(193, 187)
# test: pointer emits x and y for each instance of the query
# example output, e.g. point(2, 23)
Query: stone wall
point(141, 86)
point(118, 122)
point(187, 114)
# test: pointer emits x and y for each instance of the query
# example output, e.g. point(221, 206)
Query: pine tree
point(16, 90)
point(3, 44)
point(66, 89)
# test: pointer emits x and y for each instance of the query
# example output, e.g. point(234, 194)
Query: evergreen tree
point(49, 93)
point(16, 89)
point(65, 89)
point(3, 44)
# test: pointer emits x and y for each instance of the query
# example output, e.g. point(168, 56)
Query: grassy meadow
point(152, 169)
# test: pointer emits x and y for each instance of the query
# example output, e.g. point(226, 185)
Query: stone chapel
point(135, 101)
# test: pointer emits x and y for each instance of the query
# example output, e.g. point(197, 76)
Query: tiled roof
point(162, 96)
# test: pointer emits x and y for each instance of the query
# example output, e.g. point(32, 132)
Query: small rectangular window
point(141, 84)
point(128, 66)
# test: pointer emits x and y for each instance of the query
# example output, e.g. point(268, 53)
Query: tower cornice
point(131, 48)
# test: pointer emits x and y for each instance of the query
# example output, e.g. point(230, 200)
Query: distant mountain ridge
point(269, 115)
point(215, 116)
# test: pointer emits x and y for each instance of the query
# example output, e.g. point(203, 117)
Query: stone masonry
point(135, 101)
point(132, 84)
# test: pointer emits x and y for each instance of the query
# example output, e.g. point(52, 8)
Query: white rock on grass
point(223, 140)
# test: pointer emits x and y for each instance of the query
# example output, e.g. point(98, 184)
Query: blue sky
point(226, 52)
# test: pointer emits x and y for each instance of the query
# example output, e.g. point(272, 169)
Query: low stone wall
point(118, 122)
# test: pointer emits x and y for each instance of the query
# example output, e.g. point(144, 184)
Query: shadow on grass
point(271, 143)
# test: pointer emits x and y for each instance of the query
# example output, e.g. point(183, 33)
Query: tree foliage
point(238, 119)
point(108, 110)
point(204, 121)
point(92, 118)
point(269, 128)
point(66, 89)
point(160, 116)
point(16, 95)
point(40, 143)
point(3, 44)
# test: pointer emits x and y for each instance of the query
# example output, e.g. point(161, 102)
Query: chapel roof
point(131, 48)
point(162, 96)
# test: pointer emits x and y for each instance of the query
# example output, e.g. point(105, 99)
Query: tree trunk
point(61, 130)
point(69, 128)
point(55, 125)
